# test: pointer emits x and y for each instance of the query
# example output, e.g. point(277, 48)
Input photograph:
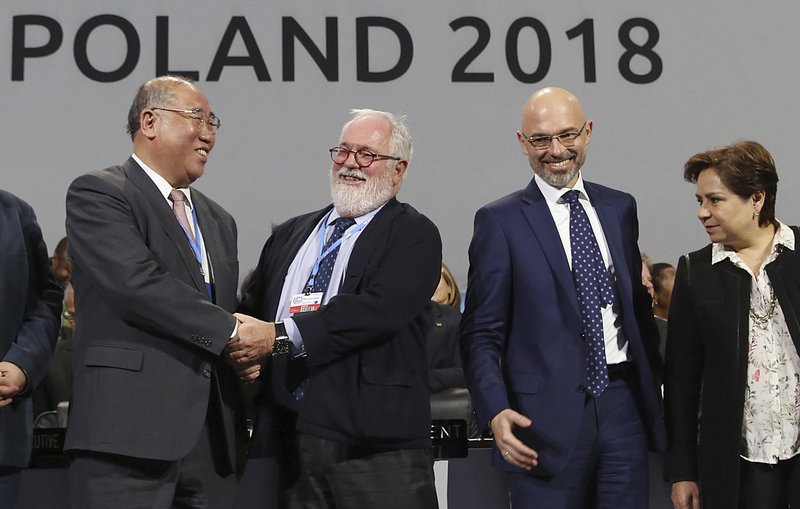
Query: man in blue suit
point(30, 306)
point(565, 439)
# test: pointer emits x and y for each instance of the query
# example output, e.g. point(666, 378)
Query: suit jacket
point(147, 356)
point(521, 339)
point(368, 382)
point(706, 367)
point(444, 361)
point(30, 308)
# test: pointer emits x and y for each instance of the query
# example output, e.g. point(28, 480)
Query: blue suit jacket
point(30, 305)
point(521, 340)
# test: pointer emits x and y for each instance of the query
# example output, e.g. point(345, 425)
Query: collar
point(161, 183)
point(784, 237)
point(553, 195)
point(360, 219)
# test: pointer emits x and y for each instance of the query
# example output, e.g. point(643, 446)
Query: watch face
point(281, 346)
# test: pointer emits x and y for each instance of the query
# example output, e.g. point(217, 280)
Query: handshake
point(246, 351)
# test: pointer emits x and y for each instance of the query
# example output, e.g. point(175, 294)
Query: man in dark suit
point(350, 356)
point(30, 305)
point(153, 416)
point(571, 423)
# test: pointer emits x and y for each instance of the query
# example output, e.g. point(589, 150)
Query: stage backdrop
point(661, 80)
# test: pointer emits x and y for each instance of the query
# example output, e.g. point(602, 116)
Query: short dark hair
point(660, 273)
point(157, 91)
point(746, 168)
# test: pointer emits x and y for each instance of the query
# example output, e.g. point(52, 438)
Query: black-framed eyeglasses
point(567, 139)
point(363, 157)
point(198, 115)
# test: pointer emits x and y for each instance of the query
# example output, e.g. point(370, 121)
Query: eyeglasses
point(363, 157)
point(565, 139)
point(198, 115)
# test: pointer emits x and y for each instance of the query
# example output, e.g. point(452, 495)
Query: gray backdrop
point(728, 72)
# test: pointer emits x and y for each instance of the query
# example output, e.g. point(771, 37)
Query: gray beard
point(557, 180)
point(353, 201)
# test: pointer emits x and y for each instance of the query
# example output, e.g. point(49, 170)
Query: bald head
point(555, 116)
point(548, 104)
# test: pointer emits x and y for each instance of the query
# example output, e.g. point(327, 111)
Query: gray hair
point(400, 144)
point(157, 91)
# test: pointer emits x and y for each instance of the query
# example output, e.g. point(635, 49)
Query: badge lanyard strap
point(197, 249)
point(349, 233)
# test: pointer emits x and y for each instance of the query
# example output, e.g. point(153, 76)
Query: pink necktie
point(179, 209)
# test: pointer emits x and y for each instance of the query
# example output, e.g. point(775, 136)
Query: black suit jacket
point(30, 305)
point(444, 360)
point(706, 367)
point(368, 382)
point(147, 357)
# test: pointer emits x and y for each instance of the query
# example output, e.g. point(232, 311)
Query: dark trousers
point(763, 486)
point(608, 468)
point(9, 486)
point(100, 480)
point(337, 476)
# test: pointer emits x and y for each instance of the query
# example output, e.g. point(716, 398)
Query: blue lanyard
point(347, 234)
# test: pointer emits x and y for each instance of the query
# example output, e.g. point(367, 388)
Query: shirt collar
point(783, 237)
point(360, 219)
point(161, 183)
point(553, 195)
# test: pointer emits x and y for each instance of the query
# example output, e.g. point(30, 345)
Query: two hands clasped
point(514, 451)
point(251, 345)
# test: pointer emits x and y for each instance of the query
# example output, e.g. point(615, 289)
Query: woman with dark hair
point(732, 381)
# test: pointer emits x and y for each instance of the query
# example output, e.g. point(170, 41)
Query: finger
point(5, 401)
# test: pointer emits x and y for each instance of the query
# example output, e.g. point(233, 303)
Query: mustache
point(568, 154)
point(351, 172)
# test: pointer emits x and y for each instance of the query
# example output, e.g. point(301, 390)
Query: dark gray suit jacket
point(147, 359)
point(30, 305)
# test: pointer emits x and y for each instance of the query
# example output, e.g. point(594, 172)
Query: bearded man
point(345, 401)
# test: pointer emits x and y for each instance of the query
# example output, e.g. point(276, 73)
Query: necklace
point(762, 320)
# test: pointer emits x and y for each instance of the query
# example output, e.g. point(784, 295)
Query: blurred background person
point(732, 354)
point(30, 302)
point(57, 383)
point(647, 277)
point(444, 359)
point(662, 277)
point(447, 291)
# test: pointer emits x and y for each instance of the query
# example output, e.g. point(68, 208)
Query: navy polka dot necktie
point(323, 278)
point(594, 291)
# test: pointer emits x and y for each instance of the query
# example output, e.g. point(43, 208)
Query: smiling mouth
point(559, 164)
point(203, 152)
point(352, 179)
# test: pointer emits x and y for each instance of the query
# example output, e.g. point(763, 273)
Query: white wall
point(729, 72)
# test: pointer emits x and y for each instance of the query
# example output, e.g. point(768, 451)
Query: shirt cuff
point(298, 347)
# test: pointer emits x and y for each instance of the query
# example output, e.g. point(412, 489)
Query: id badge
point(305, 302)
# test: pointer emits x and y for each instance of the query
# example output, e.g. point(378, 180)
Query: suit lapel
point(610, 221)
point(161, 209)
point(292, 243)
point(540, 220)
point(365, 245)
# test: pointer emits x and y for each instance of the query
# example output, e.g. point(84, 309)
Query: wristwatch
point(282, 344)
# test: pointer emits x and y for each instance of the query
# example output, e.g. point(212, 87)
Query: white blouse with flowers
point(771, 424)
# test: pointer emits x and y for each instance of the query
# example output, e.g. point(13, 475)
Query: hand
point(514, 451)
point(252, 343)
point(685, 495)
point(12, 382)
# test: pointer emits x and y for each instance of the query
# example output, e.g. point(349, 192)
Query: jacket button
point(581, 388)
point(207, 342)
point(206, 373)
